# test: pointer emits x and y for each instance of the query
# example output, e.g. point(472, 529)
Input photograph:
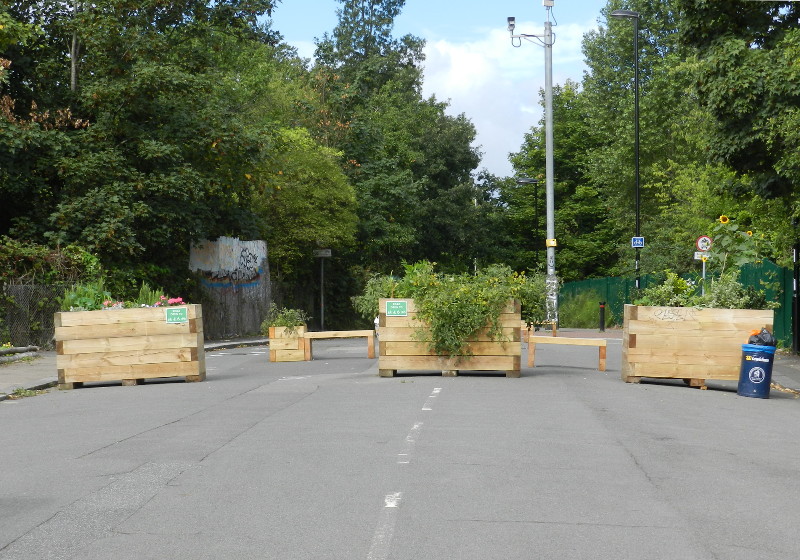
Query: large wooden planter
point(129, 345)
point(400, 349)
point(287, 344)
point(687, 343)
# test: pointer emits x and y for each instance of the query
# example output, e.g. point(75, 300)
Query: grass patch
point(583, 312)
point(21, 393)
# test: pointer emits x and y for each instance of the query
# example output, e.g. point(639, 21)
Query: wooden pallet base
point(696, 383)
point(68, 386)
point(447, 372)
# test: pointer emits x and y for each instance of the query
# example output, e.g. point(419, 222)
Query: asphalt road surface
point(326, 460)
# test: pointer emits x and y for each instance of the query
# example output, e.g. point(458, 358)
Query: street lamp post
point(635, 16)
point(546, 41)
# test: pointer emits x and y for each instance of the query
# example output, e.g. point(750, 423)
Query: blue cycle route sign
point(637, 242)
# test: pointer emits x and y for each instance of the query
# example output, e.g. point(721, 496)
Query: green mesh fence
point(774, 280)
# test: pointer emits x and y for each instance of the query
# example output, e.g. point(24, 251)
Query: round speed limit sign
point(704, 243)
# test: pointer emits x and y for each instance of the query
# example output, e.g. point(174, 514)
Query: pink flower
point(175, 301)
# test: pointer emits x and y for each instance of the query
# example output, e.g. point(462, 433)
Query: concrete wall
point(235, 278)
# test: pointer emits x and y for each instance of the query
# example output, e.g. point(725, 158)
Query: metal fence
point(26, 313)
point(774, 280)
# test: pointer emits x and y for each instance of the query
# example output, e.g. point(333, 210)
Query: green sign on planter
point(397, 309)
point(177, 315)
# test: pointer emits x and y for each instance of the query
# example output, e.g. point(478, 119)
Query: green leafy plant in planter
point(456, 307)
point(725, 292)
point(284, 317)
point(93, 296)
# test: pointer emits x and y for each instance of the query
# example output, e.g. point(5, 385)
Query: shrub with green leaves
point(284, 317)
point(85, 296)
point(725, 292)
point(673, 292)
point(456, 307)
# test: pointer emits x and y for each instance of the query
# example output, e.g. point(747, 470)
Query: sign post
point(703, 245)
point(322, 254)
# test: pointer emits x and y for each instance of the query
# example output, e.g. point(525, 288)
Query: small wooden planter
point(399, 349)
point(687, 343)
point(129, 345)
point(287, 345)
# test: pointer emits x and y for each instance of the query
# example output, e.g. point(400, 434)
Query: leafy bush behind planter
point(455, 307)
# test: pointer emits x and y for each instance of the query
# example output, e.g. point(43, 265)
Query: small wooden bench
point(368, 334)
point(599, 342)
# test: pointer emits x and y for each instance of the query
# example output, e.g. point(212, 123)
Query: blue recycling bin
point(755, 374)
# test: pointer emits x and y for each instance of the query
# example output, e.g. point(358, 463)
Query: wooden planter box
point(287, 346)
point(687, 343)
point(129, 345)
point(399, 348)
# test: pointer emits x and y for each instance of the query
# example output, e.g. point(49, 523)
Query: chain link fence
point(26, 313)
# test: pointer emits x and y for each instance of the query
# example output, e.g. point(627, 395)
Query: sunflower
point(724, 219)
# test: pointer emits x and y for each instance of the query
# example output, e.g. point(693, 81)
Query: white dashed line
point(429, 403)
point(382, 539)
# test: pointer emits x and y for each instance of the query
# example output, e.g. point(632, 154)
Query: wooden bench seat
point(368, 334)
point(599, 342)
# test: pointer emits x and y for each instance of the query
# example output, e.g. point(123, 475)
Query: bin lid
point(758, 348)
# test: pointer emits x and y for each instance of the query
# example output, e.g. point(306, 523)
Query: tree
point(409, 161)
point(163, 159)
point(747, 78)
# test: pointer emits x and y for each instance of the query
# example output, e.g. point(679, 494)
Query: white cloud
point(497, 86)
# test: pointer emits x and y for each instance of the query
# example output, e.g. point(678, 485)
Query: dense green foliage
point(129, 131)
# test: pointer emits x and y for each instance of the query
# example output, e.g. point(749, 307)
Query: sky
point(470, 61)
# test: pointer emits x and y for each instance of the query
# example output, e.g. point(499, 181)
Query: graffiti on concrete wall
point(229, 257)
point(237, 289)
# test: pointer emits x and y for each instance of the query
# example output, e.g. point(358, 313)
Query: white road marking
point(384, 532)
point(393, 500)
point(433, 395)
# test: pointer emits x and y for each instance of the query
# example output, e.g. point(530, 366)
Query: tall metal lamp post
point(546, 41)
point(638, 241)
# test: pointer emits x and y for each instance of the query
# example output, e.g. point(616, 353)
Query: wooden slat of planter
point(410, 335)
point(683, 314)
point(116, 330)
point(686, 371)
point(506, 320)
point(434, 363)
point(672, 342)
point(286, 343)
point(685, 358)
point(128, 343)
point(129, 357)
point(512, 307)
point(114, 316)
point(287, 355)
point(131, 371)
point(396, 348)
point(694, 328)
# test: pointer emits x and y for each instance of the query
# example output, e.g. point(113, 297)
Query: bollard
point(602, 316)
